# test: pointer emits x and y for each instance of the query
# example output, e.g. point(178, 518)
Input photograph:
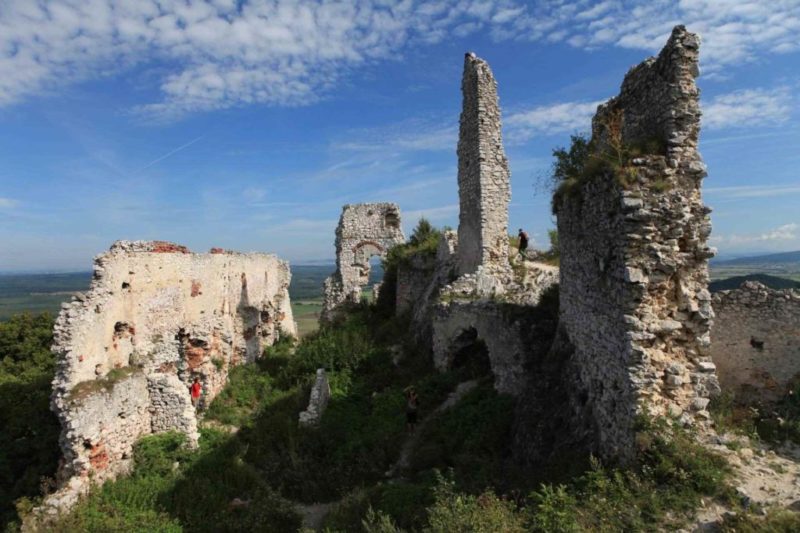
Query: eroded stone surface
point(317, 400)
point(155, 317)
point(756, 341)
point(483, 176)
point(633, 298)
point(364, 231)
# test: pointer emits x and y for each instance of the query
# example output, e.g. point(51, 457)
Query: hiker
point(412, 404)
point(523, 241)
point(196, 390)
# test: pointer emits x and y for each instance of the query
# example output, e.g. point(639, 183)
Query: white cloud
point(409, 135)
point(224, 53)
point(733, 31)
point(786, 232)
point(566, 117)
point(7, 203)
point(752, 191)
point(748, 108)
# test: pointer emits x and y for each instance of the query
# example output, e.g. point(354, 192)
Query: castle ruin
point(484, 189)
point(756, 341)
point(634, 305)
point(364, 231)
point(155, 318)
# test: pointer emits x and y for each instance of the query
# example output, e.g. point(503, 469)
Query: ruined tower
point(364, 231)
point(483, 177)
point(635, 311)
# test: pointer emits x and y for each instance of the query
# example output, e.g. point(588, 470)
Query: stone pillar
point(483, 176)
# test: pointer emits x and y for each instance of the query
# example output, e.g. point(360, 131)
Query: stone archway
point(364, 231)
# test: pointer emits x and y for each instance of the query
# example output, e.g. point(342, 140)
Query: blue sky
point(248, 124)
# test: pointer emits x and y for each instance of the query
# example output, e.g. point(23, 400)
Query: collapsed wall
point(483, 176)
point(155, 318)
point(634, 304)
point(364, 231)
point(756, 341)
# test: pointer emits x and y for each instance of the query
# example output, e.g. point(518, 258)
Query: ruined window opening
point(471, 354)
point(126, 285)
point(120, 328)
point(391, 220)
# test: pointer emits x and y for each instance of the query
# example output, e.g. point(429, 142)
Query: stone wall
point(483, 175)
point(756, 341)
point(364, 231)
point(155, 317)
point(634, 304)
point(317, 401)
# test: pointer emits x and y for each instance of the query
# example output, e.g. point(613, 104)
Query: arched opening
point(471, 355)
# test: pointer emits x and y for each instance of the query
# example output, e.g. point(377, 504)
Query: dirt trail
point(314, 514)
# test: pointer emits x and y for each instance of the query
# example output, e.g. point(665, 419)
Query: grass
point(306, 314)
point(84, 389)
point(773, 424)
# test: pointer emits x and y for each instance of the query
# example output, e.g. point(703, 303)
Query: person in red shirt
point(196, 390)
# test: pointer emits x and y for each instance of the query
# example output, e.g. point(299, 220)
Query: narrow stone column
point(483, 176)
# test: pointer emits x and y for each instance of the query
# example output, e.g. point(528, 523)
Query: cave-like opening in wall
point(470, 354)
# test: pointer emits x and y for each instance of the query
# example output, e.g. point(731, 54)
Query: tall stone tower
point(483, 177)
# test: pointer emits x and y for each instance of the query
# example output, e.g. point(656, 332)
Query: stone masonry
point(364, 230)
point(483, 175)
point(756, 341)
point(633, 299)
point(155, 317)
point(317, 401)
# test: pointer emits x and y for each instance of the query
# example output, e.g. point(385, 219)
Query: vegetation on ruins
point(587, 159)
point(423, 243)
point(459, 477)
point(29, 438)
point(772, 423)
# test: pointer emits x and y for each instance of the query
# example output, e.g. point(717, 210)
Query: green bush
point(455, 512)
point(29, 438)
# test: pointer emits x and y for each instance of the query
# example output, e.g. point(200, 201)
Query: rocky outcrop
point(364, 231)
point(756, 341)
point(155, 318)
point(634, 303)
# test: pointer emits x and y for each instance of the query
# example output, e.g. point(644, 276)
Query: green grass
point(306, 314)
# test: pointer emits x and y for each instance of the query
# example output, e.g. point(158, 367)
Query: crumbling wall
point(634, 304)
point(458, 324)
point(483, 175)
point(756, 341)
point(317, 401)
point(155, 317)
point(364, 231)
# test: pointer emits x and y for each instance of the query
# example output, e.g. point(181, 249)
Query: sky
point(248, 124)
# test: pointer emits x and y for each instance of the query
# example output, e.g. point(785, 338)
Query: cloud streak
point(748, 108)
point(223, 53)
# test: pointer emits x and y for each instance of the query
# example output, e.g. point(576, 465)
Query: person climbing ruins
point(412, 406)
point(197, 391)
point(523, 241)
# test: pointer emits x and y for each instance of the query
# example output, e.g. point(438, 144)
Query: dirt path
point(314, 514)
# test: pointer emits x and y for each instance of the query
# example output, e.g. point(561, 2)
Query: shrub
point(486, 513)
point(29, 438)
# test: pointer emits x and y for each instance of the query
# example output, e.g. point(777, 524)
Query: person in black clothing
point(412, 405)
point(523, 241)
